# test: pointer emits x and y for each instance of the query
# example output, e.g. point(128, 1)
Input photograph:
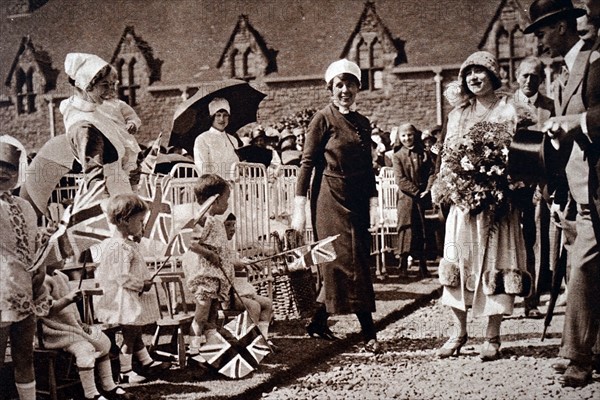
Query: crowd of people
point(503, 236)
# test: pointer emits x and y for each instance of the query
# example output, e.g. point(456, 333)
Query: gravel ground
point(408, 369)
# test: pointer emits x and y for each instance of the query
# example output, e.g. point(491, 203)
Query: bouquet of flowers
point(473, 174)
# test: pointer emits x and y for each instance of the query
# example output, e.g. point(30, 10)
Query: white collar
point(215, 130)
point(82, 104)
point(571, 55)
point(522, 97)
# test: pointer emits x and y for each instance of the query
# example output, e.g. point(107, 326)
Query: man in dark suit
point(579, 130)
point(536, 216)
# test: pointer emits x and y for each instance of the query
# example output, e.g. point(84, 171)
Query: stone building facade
point(408, 51)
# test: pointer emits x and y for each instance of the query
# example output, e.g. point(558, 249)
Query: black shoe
point(560, 367)
point(424, 273)
point(576, 376)
point(313, 328)
point(118, 393)
point(533, 313)
point(373, 346)
point(155, 367)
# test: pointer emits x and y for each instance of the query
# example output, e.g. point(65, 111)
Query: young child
point(259, 307)
point(208, 264)
point(127, 299)
point(22, 291)
point(117, 109)
point(63, 329)
point(413, 167)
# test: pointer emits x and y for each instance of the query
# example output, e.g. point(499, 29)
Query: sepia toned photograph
point(293, 199)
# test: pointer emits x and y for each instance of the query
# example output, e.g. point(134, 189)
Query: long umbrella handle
point(557, 277)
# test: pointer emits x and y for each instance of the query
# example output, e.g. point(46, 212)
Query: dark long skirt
point(341, 206)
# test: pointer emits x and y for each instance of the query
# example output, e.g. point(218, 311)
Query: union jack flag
point(236, 350)
point(189, 214)
point(319, 252)
point(155, 190)
point(149, 162)
point(82, 225)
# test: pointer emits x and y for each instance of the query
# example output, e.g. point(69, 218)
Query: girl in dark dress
point(343, 201)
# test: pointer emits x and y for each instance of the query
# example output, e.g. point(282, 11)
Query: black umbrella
point(558, 275)
point(191, 117)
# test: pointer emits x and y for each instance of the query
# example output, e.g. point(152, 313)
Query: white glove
point(299, 216)
point(373, 211)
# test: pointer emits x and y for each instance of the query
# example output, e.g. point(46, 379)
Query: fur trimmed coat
point(470, 242)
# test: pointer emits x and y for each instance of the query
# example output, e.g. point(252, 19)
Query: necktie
point(19, 227)
point(564, 75)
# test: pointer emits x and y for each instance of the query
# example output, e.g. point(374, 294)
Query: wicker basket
point(294, 294)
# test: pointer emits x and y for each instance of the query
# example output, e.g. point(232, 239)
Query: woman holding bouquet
point(484, 251)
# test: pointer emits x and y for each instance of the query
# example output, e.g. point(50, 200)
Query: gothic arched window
point(370, 60)
point(25, 94)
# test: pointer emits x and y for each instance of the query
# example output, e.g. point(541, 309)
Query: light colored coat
point(469, 241)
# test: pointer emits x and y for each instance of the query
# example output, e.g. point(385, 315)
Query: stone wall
point(406, 97)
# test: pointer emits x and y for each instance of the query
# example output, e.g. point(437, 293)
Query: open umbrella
point(45, 171)
point(166, 162)
point(191, 117)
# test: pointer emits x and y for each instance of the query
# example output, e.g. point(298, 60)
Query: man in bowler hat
point(576, 129)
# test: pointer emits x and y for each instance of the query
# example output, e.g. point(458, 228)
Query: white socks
point(26, 390)
point(105, 373)
point(86, 375)
point(144, 357)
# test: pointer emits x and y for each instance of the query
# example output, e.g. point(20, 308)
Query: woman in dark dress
point(343, 202)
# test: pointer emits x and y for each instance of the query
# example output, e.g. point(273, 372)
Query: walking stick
point(557, 276)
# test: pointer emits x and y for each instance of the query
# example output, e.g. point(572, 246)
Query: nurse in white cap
point(214, 150)
point(343, 202)
point(102, 145)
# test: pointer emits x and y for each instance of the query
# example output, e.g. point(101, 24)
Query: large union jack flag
point(82, 225)
point(237, 349)
point(155, 190)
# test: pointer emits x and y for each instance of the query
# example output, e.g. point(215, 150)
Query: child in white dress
point(63, 329)
point(125, 279)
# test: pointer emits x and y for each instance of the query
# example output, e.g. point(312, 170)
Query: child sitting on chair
point(259, 308)
point(210, 263)
point(64, 330)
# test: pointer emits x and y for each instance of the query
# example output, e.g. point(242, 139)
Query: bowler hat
point(527, 157)
point(255, 154)
point(544, 12)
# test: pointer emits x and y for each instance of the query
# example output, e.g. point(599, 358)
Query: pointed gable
point(31, 74)
point(246, 55)
point(504, 37)
point(135, 63)
point(372, 46)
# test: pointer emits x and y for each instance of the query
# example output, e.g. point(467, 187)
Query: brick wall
point(406, 97)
